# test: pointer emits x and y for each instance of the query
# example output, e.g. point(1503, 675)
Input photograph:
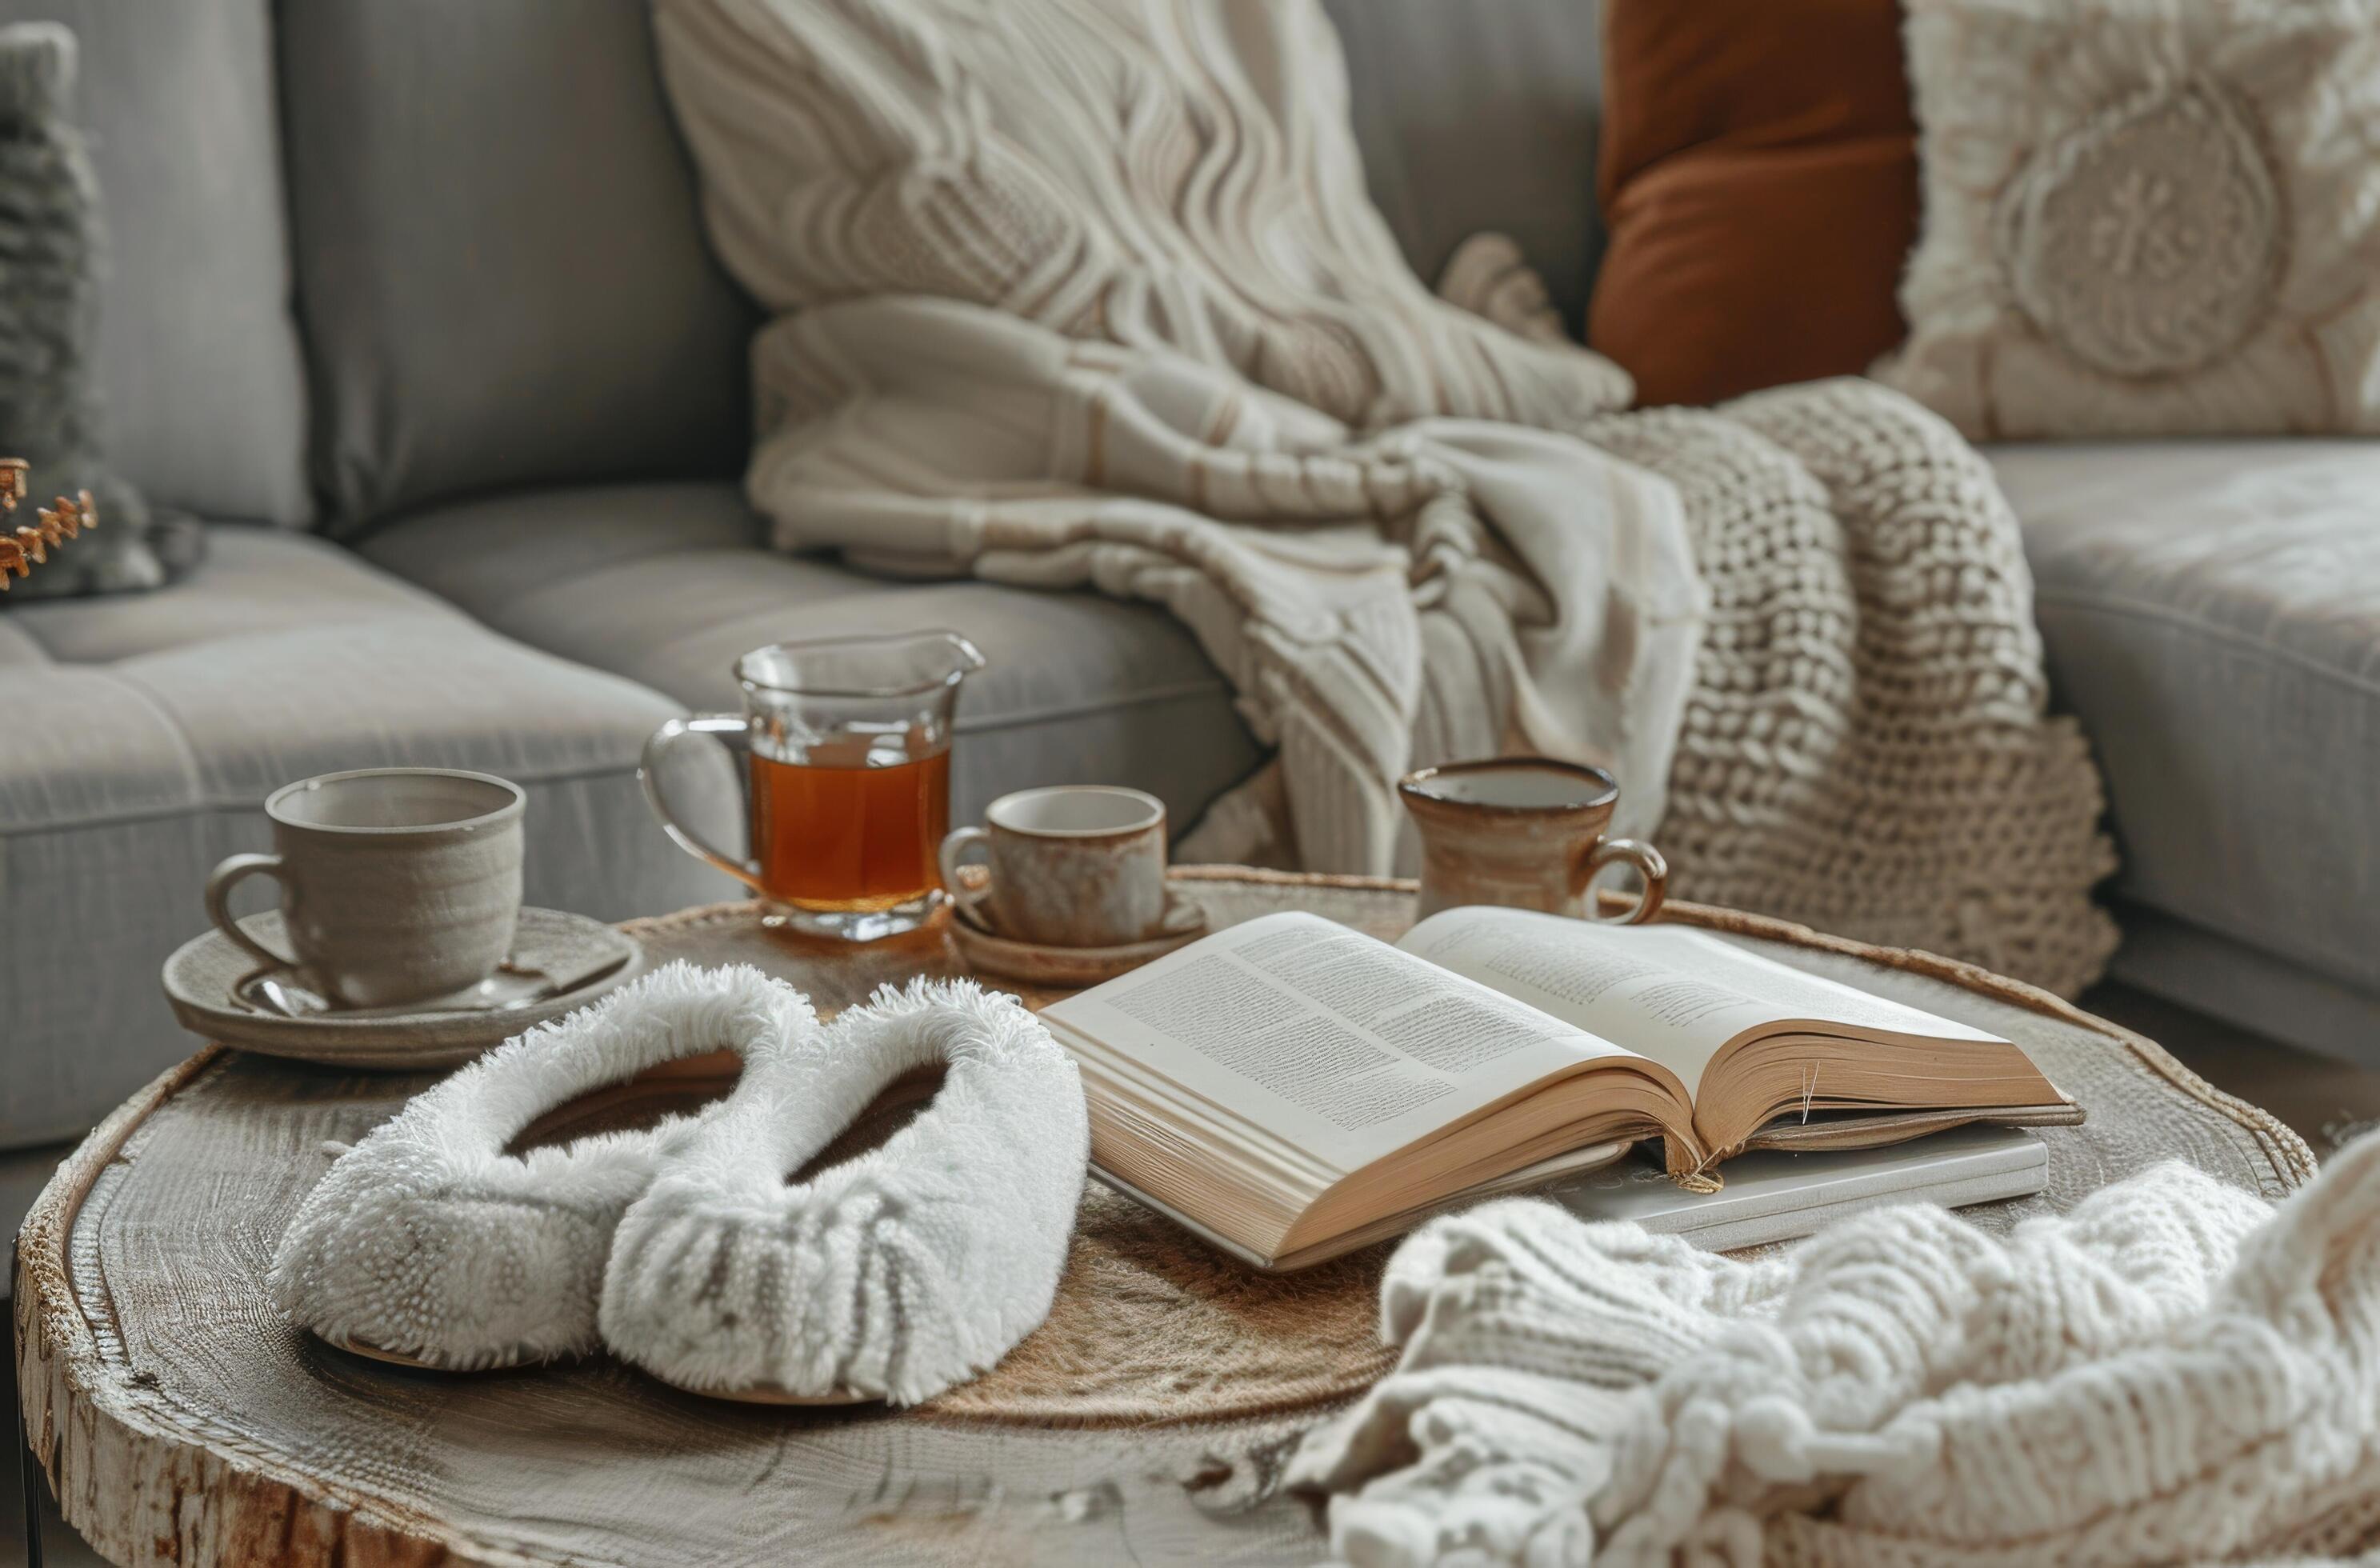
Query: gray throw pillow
point(50, 244)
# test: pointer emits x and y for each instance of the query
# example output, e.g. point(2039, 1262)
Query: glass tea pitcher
point(846, 749)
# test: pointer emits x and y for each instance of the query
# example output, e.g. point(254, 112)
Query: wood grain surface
point(183, 1422)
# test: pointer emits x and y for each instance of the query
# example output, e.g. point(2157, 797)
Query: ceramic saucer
point(218, 990)
point(987, 951)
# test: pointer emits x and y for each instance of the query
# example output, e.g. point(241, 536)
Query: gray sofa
point(412, 299)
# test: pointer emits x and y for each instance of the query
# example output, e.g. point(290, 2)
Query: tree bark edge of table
point(178, 1500)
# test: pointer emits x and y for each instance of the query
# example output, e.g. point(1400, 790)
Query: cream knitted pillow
point(1173, 174)
point(2146, 217)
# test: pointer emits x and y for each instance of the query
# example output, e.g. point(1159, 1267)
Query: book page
point(1669, 992)
point(1335, 1041)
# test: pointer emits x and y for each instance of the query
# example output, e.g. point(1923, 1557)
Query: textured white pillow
point(2146, 217)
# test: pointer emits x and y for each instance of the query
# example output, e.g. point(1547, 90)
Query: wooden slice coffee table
point(183, 1422)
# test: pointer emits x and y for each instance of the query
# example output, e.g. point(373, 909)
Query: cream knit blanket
point(2170, 1373)
point(1088, 293)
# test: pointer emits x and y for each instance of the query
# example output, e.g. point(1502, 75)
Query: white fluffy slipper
point(428, 1242)
point(891, 1275)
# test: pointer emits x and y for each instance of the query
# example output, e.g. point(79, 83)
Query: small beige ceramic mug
point(398, 884)
point(1072, 866)
point(1526, 832)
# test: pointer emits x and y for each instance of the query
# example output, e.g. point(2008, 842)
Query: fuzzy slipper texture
point(891, 1275)
point(427, 1240)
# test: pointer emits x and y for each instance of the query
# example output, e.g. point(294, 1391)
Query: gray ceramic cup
point(398, 884)
point(1072, 866)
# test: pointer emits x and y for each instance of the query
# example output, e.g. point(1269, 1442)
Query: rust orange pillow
point(1758, 177)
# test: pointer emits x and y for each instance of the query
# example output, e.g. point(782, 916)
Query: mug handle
point(1649, 864)
point(657, 747)
point(955, 845)
point(220, 882)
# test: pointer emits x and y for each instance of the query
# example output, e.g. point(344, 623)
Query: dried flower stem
point(29, 546)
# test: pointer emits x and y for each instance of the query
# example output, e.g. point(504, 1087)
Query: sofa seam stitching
point(192, 774)
point(219, 805)
point(2183, 620)
point(1133, 700)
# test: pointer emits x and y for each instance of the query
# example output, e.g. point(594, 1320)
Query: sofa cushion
point(1481, 117)
point(505, 280)
point(198, 359)
point(144, 733)
point(668, 584)
point(499, 261)
point(2212, 613)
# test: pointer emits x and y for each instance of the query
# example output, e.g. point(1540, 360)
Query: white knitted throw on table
point(1089, 293)
point(2172, 1372)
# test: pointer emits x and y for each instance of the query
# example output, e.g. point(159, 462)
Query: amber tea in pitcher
point(847, 775)
point(853, 825)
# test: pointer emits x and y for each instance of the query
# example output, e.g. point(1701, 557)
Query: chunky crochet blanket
point(2173, 1372)
point(1076, 292)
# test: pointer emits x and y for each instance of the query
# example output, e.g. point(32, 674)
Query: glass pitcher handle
point(718, 727)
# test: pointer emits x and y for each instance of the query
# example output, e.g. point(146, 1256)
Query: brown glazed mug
point(1526, 832)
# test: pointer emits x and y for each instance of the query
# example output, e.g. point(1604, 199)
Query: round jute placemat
point(1153, 1326)
point(1150, 1325)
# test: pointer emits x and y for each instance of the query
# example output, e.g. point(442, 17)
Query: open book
point(1294, 1088)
